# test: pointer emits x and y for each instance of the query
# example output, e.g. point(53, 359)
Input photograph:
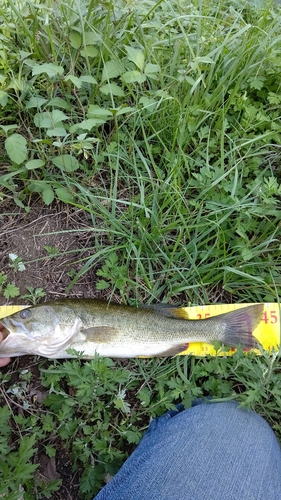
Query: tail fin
point(240, 324)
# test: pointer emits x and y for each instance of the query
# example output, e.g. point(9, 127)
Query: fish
point(90, 326)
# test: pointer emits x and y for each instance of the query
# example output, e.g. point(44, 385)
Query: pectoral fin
point(101, 334)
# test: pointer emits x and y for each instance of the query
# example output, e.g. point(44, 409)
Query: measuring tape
point(267, 331)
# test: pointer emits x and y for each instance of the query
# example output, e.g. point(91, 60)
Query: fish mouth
point(4, 331)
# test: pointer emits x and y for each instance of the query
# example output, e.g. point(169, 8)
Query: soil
point(29, 236)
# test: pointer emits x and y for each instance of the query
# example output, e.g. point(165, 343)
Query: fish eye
point(26, 313)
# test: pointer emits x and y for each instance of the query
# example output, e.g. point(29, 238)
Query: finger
point(4, 361)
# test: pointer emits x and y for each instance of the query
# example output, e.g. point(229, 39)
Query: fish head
point(43, 330)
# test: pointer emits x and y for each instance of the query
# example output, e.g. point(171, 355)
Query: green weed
point(34, 295)
point(9, 290)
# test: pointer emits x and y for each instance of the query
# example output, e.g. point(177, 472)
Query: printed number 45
point(270, 317)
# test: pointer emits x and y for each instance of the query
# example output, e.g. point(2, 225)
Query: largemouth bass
point(93, 326)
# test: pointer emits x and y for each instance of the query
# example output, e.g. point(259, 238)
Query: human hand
point(3, 361)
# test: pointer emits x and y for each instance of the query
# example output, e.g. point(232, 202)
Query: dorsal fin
point(169, 311)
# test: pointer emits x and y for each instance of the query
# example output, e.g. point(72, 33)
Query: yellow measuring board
point(7, 310)
point(267, 331)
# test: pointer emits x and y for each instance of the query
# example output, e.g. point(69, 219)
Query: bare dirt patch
point(35, 237)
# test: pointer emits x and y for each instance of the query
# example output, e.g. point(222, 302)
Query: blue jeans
point(212, 451)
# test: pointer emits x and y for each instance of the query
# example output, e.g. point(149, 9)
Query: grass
point(161, 121)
